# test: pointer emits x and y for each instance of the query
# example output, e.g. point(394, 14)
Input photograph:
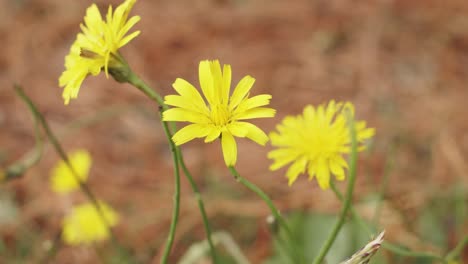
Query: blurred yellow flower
point(62, 180)
point(84, 224)
point(316, 141)
point(97, 46)
point(219, 113)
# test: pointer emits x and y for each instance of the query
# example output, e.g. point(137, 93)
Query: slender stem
point(387, 245)
point(175, 212)
point(31, 158)
point(270, 205)
point(457, 250)
point(60, 151)
point(133, 79)
point(262, 195)
point(201, 206)
point(414, 254)
point(283, 248)
point(383, 186)
point(347, 201)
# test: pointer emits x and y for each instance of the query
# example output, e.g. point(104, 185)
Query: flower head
point(84, 224)
point(62, 179)
point(218, 113)
point(316, 141)
point(97, 46)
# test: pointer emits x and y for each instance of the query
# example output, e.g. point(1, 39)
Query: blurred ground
point(404, 64)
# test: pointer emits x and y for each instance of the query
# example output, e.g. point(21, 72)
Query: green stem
point(270, 205)
point(408, 253)
point(31, 158)
point(134, 80)
point(383, 186)
point(262, 195)
point(60, 151)
point(201, 205)
point(347, 202)
point(387, 245)
point(175, 212)
point(457, 250)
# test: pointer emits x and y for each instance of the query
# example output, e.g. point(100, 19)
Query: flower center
point(220, 115)
point(321, 143)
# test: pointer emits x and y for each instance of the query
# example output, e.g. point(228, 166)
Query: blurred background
point(404, 64)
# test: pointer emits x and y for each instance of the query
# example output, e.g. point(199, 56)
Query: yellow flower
point(97, 46)
point(316, 141)
point(222, 113)
point(84, 224)
point(62, 180)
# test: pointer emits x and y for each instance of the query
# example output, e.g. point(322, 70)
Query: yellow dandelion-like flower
point(84, 224)
point(62, 180)
point(316, 141)
point(219, 113)
point(97, 46)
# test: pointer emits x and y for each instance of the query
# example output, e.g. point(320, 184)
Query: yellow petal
point(184, 115)
point(311, 171)
point(323, 174)
point(213, 134)
point(190, 132)
point(365, 134)
point(187, 90)
point(256, 134)
point(281, 157)
point(128, 38)
point(229, 147)
point(259, 112)
point(226, 87)
point(337, 169)
point(309, 114)
point(217, 76)
point(238, 129)
point(256, 101)
point(241, 90)
point(206, 81)
point(185, 103)
point(298, 167)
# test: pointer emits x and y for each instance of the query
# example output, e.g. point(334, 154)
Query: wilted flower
point(221, 115)
point(316, 141)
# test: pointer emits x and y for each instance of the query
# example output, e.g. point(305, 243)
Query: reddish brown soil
point(404, 64)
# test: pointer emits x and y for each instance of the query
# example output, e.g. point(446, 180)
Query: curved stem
point(134, 80)
point(270, 205)
point(61, 152)
point(262, 195)
point(347, 201)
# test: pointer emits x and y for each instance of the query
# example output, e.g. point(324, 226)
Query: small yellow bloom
point(97, 46)
point(219, 113)
point(62, 180)
point(316, 141)
point(84, 224)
